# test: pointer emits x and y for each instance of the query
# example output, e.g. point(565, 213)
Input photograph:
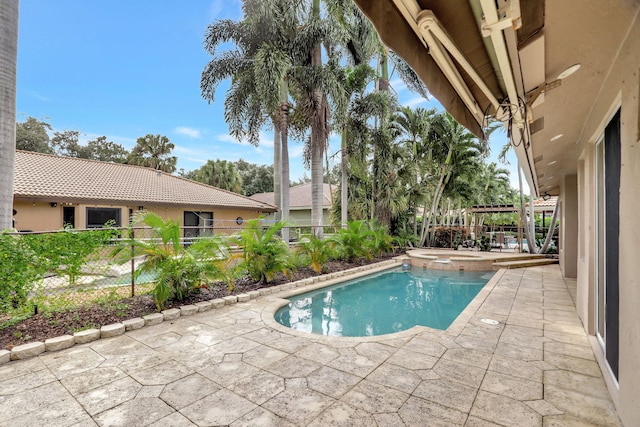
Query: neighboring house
point(300, 204)
point(564, 75)
point(53, 191)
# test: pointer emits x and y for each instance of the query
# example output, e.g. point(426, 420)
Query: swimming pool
point(383, 303)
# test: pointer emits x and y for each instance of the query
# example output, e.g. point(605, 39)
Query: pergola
point(539, 206)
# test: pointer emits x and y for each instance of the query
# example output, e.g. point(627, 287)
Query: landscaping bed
point(42, 326)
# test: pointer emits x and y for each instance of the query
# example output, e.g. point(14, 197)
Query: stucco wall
point(620, 90)
point(41, 216)
point(569, 229)
point(37, 216)
point(586, 226)
point(302, 217)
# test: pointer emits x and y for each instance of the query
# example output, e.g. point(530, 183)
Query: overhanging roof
point(299, 196)
point(466, 53)
point(44, 176)
point(528, 45)
point(459, 22)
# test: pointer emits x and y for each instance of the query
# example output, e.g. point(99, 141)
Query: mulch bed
point(48, 325)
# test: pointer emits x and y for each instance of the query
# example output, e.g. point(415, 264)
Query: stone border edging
point(35, 348)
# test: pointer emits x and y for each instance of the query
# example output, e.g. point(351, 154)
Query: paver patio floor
point(231, 367)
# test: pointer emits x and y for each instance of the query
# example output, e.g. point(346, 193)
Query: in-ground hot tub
point(451, 260)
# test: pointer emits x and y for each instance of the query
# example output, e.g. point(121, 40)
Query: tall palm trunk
point(523, 213)
point(277, 169)
point(8, 59)
point(435, 201)
point(344, 183)
point(318, 135)
point(284, 174)
point(381, 210)
point(552, 228)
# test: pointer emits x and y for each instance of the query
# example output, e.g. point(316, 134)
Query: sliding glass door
point(607, 248)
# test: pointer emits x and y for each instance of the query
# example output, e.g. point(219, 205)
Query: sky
point(125, 69)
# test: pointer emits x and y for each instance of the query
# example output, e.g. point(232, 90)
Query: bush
point(355, 241)
point(66, 252)
point(316, 253)
point(24, 259)
point(449, 237)
point(404, 239)
point(180, 271)
point(19, 269)
point(264, 253)
point(381, 241)
point(484, 243)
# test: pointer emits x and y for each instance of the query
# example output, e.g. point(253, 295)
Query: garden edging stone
point(37, 347)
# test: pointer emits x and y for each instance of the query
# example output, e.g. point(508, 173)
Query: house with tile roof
point(300, 204)
point(53, 191)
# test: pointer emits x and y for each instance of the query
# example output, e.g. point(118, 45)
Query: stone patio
point(236, 366)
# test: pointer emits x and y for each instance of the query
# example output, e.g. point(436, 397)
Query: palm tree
point(218, 173)
point(153, 151)
point(414, 125)
point(362, 44)
point(452, 148)
point(8, 60)
point(258, 67)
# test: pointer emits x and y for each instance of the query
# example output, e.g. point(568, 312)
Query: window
point(98, 217)
point(69, 216)
point(198, 223)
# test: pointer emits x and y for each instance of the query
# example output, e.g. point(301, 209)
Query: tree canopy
point(32, 135)
point(153, 151)
point(218, 173)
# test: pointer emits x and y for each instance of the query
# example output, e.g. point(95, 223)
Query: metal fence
point(59, 270)
point(503, 238)
point(52, 271)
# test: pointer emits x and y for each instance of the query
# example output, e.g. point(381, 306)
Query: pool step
point(522, 263)
point(521, 257)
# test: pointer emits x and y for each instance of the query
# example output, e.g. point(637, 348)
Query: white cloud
point(125, 141)
point(199, 160)
point(189, 151)
point(37, 96)
point(224, 137)
point(221, 9)
point(397, 85)
point(415, 101)
point(215, 8)
point(296, 150)
point(264, 140)
point(188, 131)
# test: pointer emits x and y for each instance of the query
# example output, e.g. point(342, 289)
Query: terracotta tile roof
point(66, 178)
point(542, 204)
point(299, 196)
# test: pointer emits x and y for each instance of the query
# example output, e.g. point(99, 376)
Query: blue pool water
point(383, 303)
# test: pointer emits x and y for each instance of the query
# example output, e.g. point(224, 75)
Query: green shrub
point(19, 269)
point(316, 253)
point(404, 239)
point(264, 253)
point(354, 242)
point(449, 237)
point(484, 243)
point(180, 271)
point(24, 259)
point(66, 252)
point(381, 241)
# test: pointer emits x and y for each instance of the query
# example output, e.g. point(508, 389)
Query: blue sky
point(128, 68)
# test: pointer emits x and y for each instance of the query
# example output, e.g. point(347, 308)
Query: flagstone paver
point(231, 365)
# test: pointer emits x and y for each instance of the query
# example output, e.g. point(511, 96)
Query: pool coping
point(278, 294)
point(460, 322)
point(35, 348)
